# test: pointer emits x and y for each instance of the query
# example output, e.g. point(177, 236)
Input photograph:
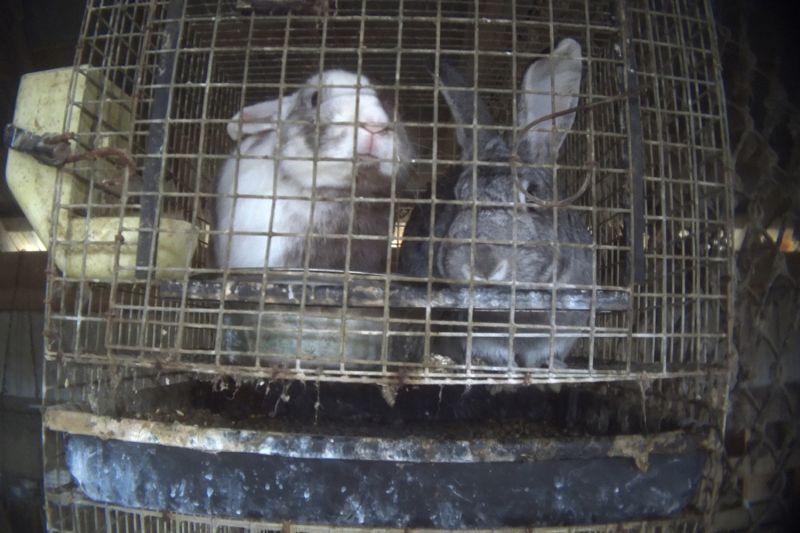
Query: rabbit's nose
point(468, 274)
point(488, 266)
point(481, 272)
point(372, 138)
point(374, 128)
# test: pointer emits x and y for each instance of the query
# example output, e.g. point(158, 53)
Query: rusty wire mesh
point(86, 516)
point(657, 204)
point(159, 312)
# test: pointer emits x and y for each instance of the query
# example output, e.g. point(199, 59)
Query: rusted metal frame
point(156, 143)
point(635, 147)
point(374, 295)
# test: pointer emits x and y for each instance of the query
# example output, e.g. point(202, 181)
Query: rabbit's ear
point(465, 106)
point(260, 118)
point(550, 85)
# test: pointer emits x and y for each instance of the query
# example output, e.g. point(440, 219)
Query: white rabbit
point(293, 172)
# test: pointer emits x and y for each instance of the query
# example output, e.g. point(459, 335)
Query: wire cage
point(271, 192)
point(120, 519)
point(641, 290)
point(125, 520)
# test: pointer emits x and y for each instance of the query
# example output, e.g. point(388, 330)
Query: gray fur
point(539, 256)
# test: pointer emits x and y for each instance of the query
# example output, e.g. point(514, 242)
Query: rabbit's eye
point(314, 98)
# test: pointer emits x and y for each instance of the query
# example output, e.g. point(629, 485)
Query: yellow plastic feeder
point(85, 247)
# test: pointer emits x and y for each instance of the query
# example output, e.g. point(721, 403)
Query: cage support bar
point(156, 139)
point(635, 147)
point(373, 295)
point(369, 448)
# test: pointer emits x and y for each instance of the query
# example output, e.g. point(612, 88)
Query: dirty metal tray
point(380, 481)
point(321, 288)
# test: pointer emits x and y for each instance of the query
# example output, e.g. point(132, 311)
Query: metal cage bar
point(224, 59)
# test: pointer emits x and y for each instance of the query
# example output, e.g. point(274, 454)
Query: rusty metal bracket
point(636, 233)
point(51, 149)
point(156, 140)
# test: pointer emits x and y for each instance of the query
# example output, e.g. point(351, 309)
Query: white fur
point(253, 212)
point(271, 147)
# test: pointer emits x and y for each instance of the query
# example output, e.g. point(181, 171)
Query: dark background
point(34, 35)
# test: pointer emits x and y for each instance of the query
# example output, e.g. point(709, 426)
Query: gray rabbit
point(480, 246)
